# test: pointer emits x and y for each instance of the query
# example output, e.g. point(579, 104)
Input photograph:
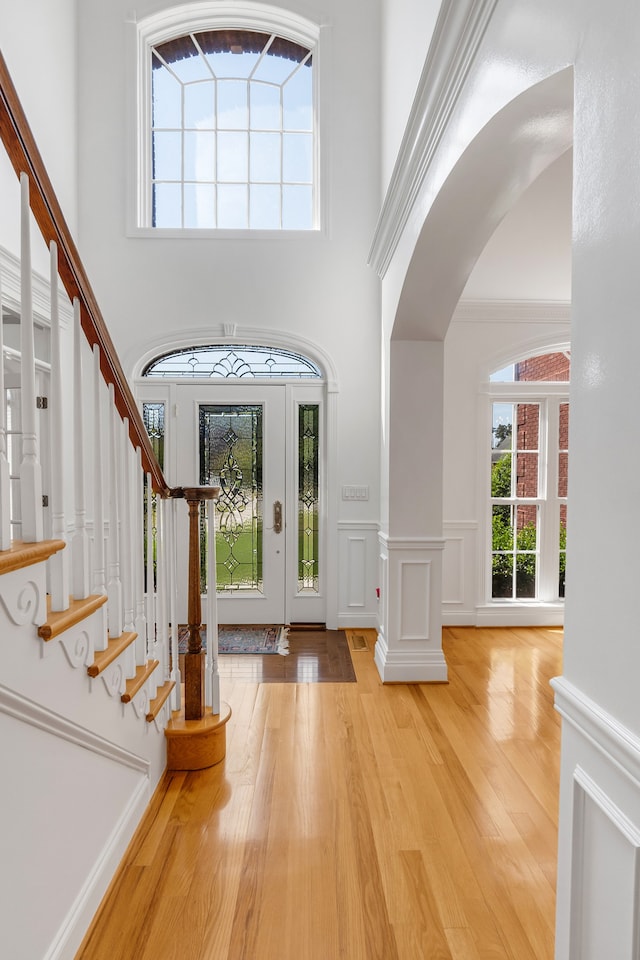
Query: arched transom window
point(232, 361)
point(232, 132)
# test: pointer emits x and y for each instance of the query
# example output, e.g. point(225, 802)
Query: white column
point(409, 646)
point(80, 545)
point(59, 562)
point(212, 675)
point(30, 471)
point(5, 483)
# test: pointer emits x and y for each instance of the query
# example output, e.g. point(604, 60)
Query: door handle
point(277, 517)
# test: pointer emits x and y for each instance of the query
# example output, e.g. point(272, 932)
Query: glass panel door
point(231, 458)
point(262, 443)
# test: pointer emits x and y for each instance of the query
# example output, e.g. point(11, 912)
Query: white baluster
point(151, 613)
point(114, 584)
point(162, 653)
point(5, 483)
point(173, 614)
point(136, 491)
point(212, 675)
point(59, 562)
point(98, 480)
point(80, 545)
point(30, 472)
point(126, 539)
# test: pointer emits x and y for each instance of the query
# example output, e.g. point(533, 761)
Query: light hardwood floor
point(359, 821)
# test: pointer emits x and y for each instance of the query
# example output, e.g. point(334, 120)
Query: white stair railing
point(5, 479)
point(111, 503)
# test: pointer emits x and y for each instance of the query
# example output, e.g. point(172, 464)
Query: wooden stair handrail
point(25, 157)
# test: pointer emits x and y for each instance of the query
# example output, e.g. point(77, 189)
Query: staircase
point(89, 667)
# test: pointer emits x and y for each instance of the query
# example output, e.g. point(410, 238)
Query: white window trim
point(211, 15)
point(549, 395)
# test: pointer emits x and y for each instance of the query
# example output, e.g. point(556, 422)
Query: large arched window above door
point(231, 361)
point(227, 127)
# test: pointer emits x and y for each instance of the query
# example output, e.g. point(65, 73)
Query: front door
point(260, 442)
point(242, 450)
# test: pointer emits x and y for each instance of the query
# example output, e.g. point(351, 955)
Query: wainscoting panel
point(358, 579)
point(599, 838)
point(415, 594)
point(459, 574)
point(604, 884)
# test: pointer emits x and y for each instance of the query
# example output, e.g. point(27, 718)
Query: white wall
point(407, 26)
point(524, 43)
point(318, 287)
point(529, 255)
point(482, 337)
point(39, 45)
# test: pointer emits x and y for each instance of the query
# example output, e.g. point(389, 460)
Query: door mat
point(239, 639)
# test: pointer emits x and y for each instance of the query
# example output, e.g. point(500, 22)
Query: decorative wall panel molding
point(359, 577)
point(22, 595)
point(77, 648)
point(415, 583)
point(604, 876)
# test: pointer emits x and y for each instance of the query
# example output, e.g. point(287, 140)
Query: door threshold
point(307, 626)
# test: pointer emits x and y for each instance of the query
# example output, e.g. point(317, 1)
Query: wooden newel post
point(194, 660)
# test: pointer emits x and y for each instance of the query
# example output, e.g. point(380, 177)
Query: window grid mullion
point(181, 197)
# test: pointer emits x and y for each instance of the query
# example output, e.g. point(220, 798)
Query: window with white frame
point(228, 135)
point(529, 447)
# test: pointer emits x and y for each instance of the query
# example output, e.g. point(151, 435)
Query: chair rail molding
point(28, 711)
point(458, 33)
point(615, 741)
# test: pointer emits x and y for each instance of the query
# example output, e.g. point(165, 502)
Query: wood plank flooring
point(315, 656)
point(359, 821)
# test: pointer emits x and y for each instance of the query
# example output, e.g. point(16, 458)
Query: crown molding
point(506, 311)
point(459, 29)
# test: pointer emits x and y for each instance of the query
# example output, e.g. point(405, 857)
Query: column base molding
point(405, 666)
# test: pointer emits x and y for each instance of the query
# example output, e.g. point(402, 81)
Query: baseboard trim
point(358, 621)
point(403, 666)
point(76, 923)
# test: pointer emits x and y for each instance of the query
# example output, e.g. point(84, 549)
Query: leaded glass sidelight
point(153, 417)
point(231, 458)
point(308, 496)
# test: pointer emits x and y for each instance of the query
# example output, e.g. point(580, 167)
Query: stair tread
point(160, 699)
point(134, 684)
point(22, 554)
point(60, 620)
point(103, 658)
